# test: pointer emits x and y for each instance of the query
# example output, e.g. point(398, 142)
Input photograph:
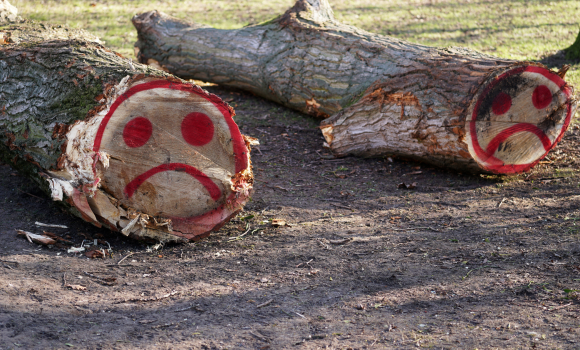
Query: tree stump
point(450, 107)
point(122, 145)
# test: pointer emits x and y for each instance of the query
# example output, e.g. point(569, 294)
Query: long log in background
point(122, 145)
point(451, 107)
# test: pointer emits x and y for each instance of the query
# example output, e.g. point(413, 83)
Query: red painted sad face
point(174, 147)
point(518, 118)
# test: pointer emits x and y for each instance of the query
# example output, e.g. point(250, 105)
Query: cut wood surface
point(8, 13)
point(451, 107)
point(123, 145)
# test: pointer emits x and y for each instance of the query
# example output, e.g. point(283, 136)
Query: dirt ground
point(461, 261)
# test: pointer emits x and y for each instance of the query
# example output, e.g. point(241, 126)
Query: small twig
point(64, 279)
point(341, 206)
point(243, 234)
point(10, 262)
point(259, 337)
point(561, 307)
point(324, 156)
point(299, 315)
point(30, 194)
point(49, 225)
point(470, 271)
point(501, 202)
point(126, 256)
point(325, 246)
point(265, 303)
point(280, 188)
point(109, 281)
point(339, 241)
point(415, 228)
point(308, 262)
point(192, 307)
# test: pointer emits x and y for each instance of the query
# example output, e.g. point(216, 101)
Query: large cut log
point(123, 145)
point(450, 107)
point(8, 13)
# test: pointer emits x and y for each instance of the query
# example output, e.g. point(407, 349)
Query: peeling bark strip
point(122, 145)
point(450, 107)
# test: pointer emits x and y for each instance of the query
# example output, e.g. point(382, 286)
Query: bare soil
point(460, 261)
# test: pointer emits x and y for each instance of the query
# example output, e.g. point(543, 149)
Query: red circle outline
point(239, 145)
point(494, 164)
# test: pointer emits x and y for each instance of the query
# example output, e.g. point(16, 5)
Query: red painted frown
point(541, 97)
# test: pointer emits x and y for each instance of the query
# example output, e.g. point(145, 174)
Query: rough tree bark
point(450, 107)
point(122, 145)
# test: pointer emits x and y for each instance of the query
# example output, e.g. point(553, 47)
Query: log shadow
point(375, 288)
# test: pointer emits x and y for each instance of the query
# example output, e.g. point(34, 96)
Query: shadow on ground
point(462, 261)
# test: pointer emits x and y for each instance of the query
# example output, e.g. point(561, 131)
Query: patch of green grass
point(515, 29)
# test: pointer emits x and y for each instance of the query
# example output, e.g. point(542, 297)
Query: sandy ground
point(461, 261)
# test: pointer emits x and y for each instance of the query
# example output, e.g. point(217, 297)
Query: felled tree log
point(123, 145)
point(8, 13)
point(450, 107)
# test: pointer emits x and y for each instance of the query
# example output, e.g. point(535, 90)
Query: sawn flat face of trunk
point(122, 145)
point(385, 96)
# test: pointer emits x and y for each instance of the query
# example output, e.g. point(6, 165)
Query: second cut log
point(450, 107)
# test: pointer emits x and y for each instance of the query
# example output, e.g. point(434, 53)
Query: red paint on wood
point(200, 226)
point(541, 97)
point(501, 103)
point(197, 129)
point(496, 165)
point(494, 144)
point(240, 150)
point(209, 185)
point(137, 132)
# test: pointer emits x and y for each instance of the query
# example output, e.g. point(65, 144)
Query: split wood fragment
point(264, 303)
point(135, 300)
point(119, 144)
point(451, 107)
point(36, 238)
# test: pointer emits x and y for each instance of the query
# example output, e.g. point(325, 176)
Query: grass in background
point(516, 29)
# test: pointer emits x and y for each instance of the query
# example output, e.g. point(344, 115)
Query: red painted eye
point(541, 97)
point(197, 129)
point(501, 103)
point(137, 132)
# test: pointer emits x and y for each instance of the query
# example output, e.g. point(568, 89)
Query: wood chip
point(340, 241)
point(75, 287)
point(49, 225)
point(278, 222)
point(36, 238)
point(265, 304)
